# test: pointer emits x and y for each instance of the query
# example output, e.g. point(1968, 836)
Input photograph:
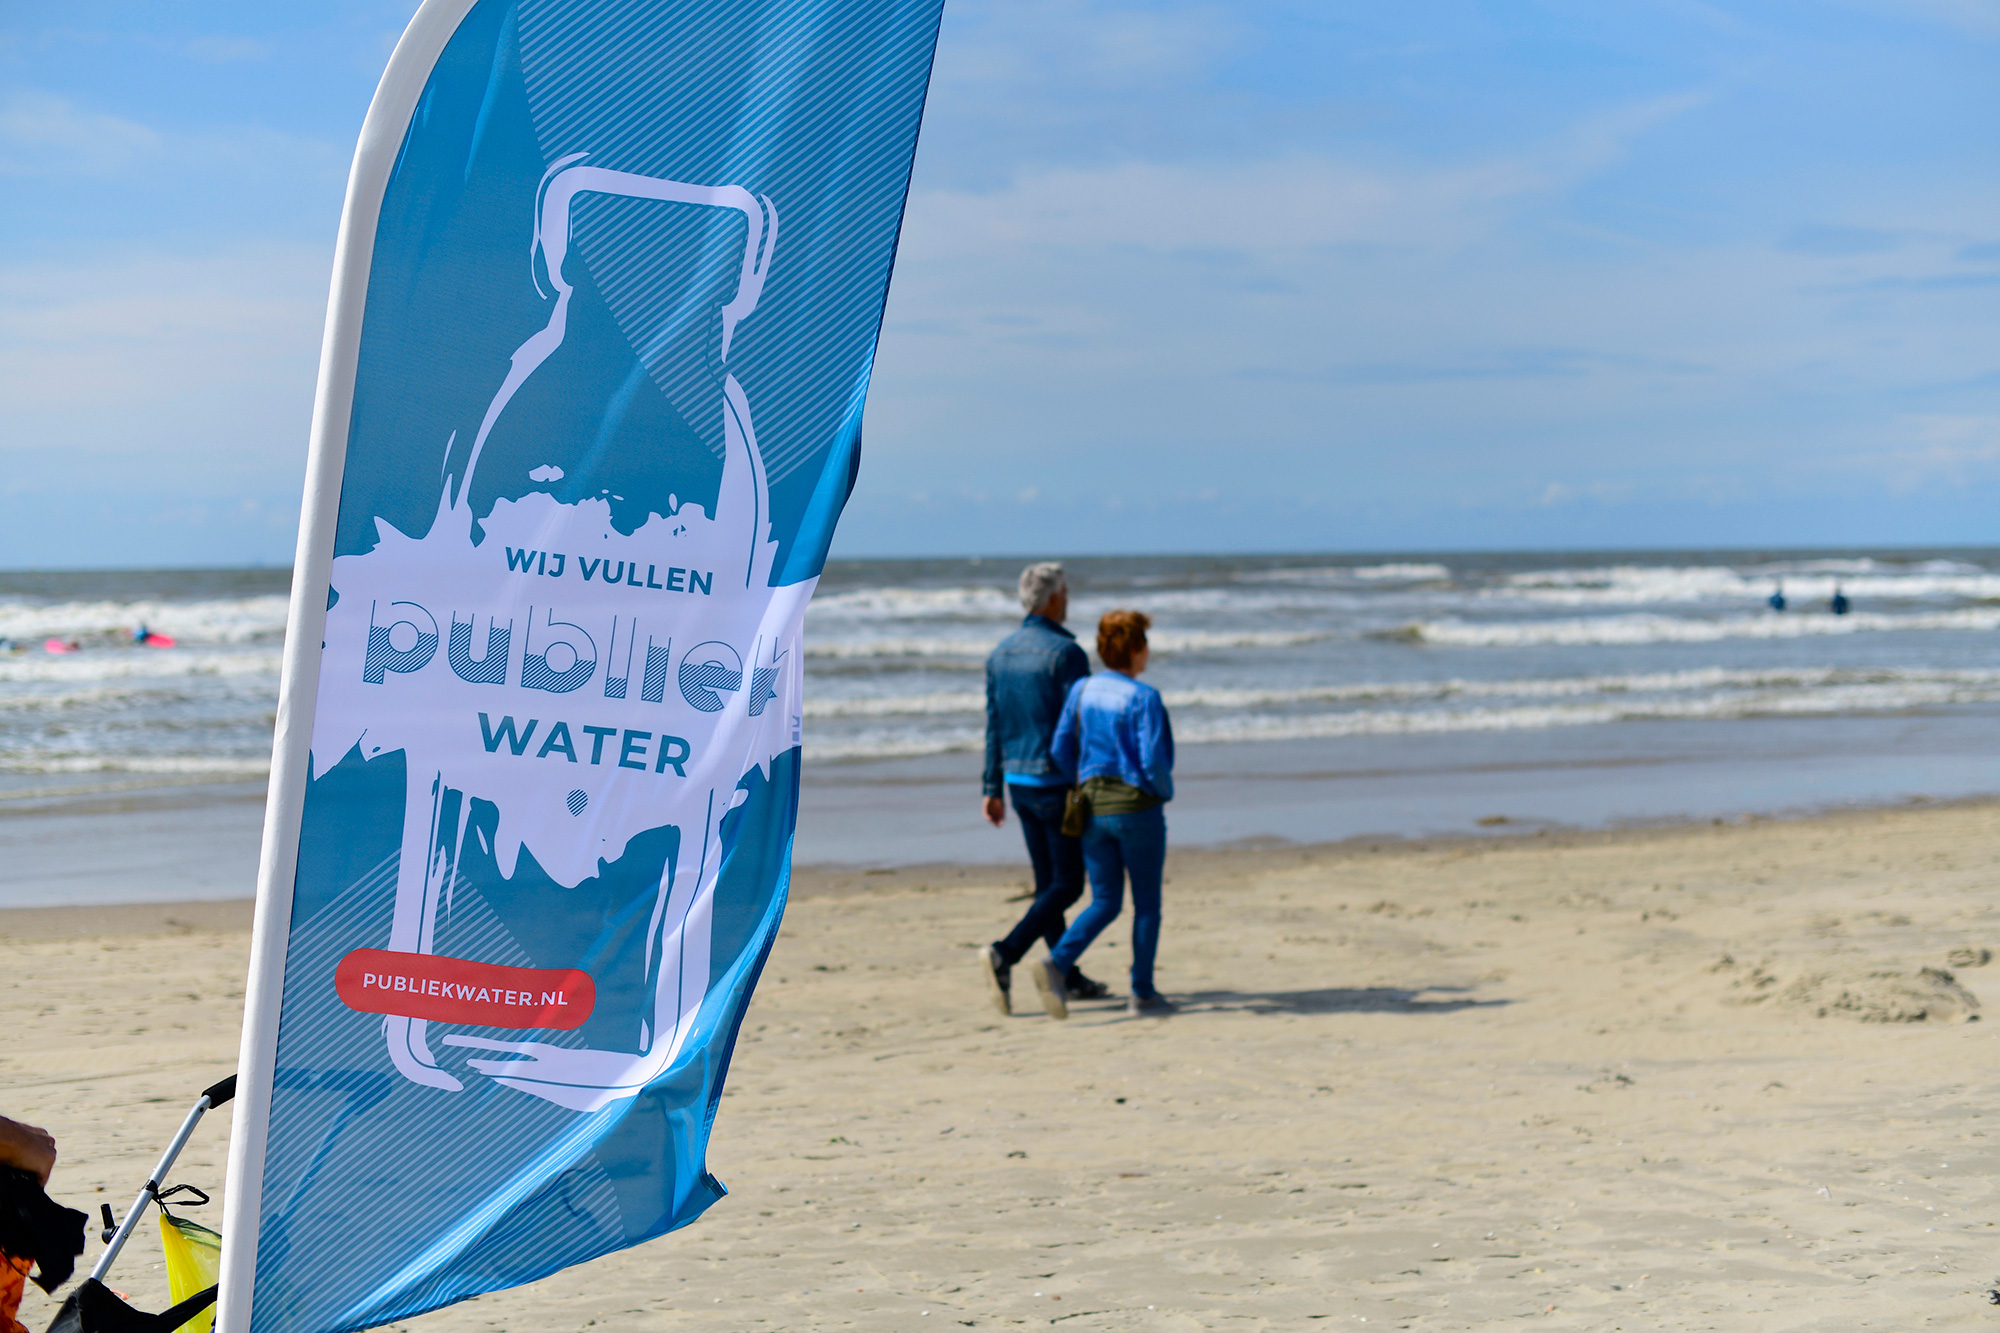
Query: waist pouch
point(1109, 796)
point(1076, 813)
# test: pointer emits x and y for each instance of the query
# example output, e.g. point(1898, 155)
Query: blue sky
point(1174, 277)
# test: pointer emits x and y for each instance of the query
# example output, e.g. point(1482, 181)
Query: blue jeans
point(1058, 863)
point(1115, 846)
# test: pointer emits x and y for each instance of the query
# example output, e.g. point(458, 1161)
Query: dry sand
point(1432, 1086)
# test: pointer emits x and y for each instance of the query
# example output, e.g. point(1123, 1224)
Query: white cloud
point(1082, 45)
point(54, 138)
point(1291, 204)
point(1288, 204)
point(180, 360)
point(1981, 18)
point(41, 134)
point(1606, 136)
point(1940, 449)
point(1157, 314)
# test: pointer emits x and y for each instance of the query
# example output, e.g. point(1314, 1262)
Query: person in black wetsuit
point(1839, 605)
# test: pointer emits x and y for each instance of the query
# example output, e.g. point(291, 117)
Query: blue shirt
point(1115, 727)
point(1027, 678)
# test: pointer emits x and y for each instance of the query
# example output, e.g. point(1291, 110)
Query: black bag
point(92, 1308)
point(34, 1226)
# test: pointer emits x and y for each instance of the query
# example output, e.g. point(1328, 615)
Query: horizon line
point(1359, 552)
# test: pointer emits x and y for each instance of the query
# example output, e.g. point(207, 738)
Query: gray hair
point(1041, 582)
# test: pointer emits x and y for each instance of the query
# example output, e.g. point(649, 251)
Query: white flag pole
point(381, 140)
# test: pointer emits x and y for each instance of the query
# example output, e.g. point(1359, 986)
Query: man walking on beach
point(1027, 679)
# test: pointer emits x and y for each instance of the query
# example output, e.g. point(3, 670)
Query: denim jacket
point(1115, 727)
point(1027, 678)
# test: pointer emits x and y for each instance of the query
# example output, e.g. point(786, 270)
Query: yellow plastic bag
point(194, 1261)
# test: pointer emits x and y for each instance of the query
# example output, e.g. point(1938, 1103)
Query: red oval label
point(457, 990)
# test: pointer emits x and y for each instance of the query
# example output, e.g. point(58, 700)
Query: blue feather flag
point(606, 299)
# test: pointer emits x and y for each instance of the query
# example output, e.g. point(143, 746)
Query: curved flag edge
point(382, 134)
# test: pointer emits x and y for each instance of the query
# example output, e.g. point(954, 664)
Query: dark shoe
point(1055, 995)
point(1150, 1006)
point(1083, 988)
point(999, 980)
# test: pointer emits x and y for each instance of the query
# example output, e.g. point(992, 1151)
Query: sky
point(1259, 276)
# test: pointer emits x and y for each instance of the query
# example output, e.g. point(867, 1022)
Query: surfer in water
point(1839, 605)
point(1777, 597)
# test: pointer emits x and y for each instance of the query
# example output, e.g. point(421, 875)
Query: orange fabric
point(13, 1279)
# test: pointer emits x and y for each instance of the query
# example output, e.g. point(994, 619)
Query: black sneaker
point(1084, 988)
point(1150, 1006)
point(999, 980)
point(1055, 991)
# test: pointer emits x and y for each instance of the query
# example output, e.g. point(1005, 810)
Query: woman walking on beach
point(1115, 742)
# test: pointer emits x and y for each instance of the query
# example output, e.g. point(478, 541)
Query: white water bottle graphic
point(629, 704)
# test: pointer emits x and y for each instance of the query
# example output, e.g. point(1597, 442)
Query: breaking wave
point(134, 664)
point(1643, 628)
point(1164, 642)
point(224, 620)
point(164, 765)
point(1246, 651)
point(1246, 715)
point(1805, 584)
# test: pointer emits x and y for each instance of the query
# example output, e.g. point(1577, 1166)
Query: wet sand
point(1680, 1078)
point(99, 838)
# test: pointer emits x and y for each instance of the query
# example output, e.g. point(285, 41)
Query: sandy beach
point(1683, 1078)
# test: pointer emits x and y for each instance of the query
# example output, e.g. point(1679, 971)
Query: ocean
point(1273, 649)
point(1313, 696)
